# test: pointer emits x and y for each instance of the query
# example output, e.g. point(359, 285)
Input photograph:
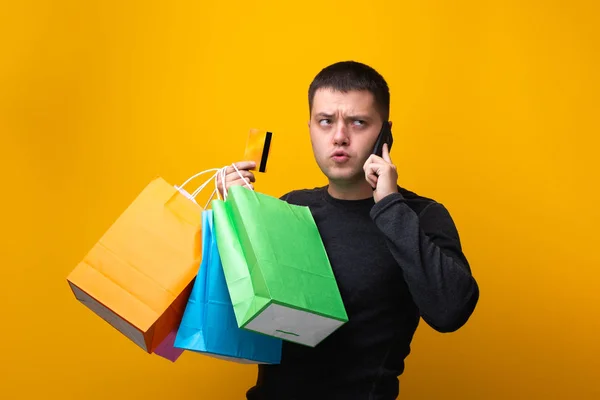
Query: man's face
point(343, 131)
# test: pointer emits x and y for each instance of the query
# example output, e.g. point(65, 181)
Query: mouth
point(340, 156)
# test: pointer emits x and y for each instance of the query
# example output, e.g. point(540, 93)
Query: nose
point(340, 136)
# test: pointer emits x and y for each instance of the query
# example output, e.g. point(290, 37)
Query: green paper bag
point(278, 274)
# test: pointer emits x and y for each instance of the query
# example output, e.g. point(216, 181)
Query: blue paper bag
point(209, 325)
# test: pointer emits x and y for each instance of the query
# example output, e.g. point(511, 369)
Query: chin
point(343, 175)
point(340, 173)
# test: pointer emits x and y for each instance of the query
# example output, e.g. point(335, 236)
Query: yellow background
point(495, 108)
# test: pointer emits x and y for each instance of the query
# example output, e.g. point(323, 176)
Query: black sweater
point(394, 261)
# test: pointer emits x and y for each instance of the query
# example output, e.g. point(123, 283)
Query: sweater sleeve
point(427, 248)
point(285, 197)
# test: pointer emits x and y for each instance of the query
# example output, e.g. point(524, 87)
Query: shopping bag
point(139, 275)
point(166, 349)
point(278, 274)
point(209, 325)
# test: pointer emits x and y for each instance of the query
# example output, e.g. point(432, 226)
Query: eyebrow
point(360, 117)
point(324, 115)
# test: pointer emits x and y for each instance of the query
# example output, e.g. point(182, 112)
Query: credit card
point(258, 147)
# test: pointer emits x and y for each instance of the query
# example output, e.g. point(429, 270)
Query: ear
point(390, 124)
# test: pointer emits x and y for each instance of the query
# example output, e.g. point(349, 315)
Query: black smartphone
point(385, 136)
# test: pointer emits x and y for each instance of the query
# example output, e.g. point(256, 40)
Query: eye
point(358, 122)
point(324, 121)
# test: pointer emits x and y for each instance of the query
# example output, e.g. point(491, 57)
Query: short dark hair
point(345, 76)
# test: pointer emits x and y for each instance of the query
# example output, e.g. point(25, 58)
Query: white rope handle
point(241, 176)
point(201, 188)
point(223, 174)
point(197, 175)
point(192, 196)
point(217, 185)
point(212, 196)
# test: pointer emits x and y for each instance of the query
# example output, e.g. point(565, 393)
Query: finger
point(244, 165)
point(245, 184)
point(372, 181)
point(241, 166)
point(372, 159)
point(375, 165)
point(236, 174)
point(386, 153)
point(371, 174)
point(240, 182)
point(250, 176)
point(245, 174)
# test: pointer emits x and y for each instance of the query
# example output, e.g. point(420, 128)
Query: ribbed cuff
point(385, 203)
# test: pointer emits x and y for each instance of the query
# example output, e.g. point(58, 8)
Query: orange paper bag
point(139, 275)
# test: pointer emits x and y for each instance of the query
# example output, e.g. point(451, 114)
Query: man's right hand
point(232, 177)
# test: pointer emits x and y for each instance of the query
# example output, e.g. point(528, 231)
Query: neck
point(350, 191)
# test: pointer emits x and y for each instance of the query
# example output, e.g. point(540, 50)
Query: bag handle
point(223, 173)
point(212, 195)
point(192, 196)
point(216, 173)
point(195, 176)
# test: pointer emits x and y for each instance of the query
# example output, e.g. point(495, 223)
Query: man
point(396, 255)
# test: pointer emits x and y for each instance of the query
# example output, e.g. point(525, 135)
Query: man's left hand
point(381, 174)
